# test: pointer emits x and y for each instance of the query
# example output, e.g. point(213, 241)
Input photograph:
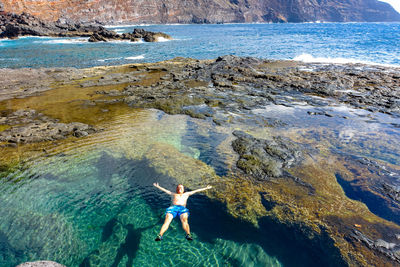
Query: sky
point(395, 4)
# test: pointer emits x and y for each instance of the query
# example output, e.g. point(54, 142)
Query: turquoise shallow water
point(92, 203)
point(322, 42)
point(95, 207)
point(92, 206)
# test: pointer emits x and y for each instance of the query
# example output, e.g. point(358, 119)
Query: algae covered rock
point(265, 158)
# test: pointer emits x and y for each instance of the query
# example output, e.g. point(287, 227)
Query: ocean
point(370, 43)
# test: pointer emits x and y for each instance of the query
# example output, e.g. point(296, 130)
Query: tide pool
point(92, 203)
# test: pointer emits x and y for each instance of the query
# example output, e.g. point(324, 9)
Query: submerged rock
point(265, 159)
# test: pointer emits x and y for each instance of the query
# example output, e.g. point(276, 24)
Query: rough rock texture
point(205, 11)
point(234, 84)
point(41, 264)
point(28, 126)
point(264, 158)
point(389, 249)
point(136, 35)
point(13, 26)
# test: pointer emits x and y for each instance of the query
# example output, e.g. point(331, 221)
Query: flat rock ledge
point(41, 264)
point(28, 126)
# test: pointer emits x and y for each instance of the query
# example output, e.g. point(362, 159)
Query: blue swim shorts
point(177, 210)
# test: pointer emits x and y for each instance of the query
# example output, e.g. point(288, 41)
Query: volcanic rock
point(205, 11)
point(264, 158)
point(13, 25)
point(28, 126)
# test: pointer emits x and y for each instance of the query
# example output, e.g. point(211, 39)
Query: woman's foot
point(158, 238)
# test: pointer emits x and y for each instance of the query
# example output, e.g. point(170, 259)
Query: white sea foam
point(119, 30)
point(9, 59)
point(64, 41)
point(125, 42)
point(32, 36)
point(162, 39)
point(143, 25)
point(307, 58)
point(136, 57)
point(109, 59)
point(138, 42)
point(126, 25)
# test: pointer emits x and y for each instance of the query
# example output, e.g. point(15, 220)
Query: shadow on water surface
point(131, 244)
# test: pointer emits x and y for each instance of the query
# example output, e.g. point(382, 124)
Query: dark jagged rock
point(389, 249)
point(148, 36)
point(136, 35)
point(392, 191)
point(235, 84)
point(12, 26)
point(265, 159)
point(206, 11)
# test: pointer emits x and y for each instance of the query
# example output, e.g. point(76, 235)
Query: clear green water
point(93, 204)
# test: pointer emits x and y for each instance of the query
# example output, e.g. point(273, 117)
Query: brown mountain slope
point(203, 11)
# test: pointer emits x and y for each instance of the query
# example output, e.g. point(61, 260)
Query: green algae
point(4, 127)
point(8, 168)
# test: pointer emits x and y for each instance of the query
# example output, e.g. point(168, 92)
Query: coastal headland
point(13, 26)
point(294, 172)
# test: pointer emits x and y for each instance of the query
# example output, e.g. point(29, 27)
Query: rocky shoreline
point(13, 26)
point(288, 186)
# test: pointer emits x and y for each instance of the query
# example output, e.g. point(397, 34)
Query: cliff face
point(203, 11)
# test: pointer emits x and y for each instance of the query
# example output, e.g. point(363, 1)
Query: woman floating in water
point(178, 207)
